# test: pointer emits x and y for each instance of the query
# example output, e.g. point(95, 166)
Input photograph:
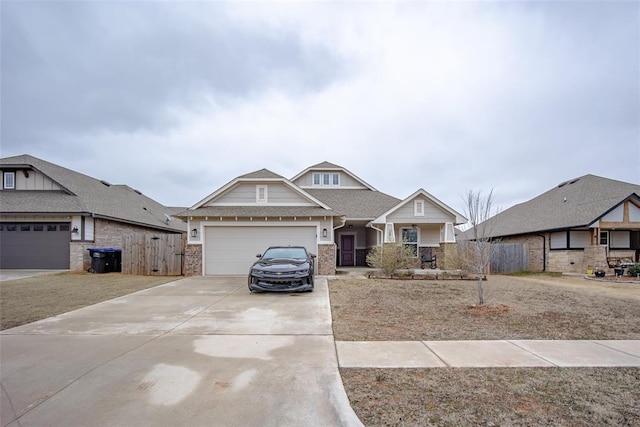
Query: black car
point(282, 269)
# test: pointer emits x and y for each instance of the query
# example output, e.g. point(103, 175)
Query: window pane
point(11, 227)
point(559, 240)
point(336, 179)
point(604, 237)
point(325, 179)
point(51, 227)
point(38, 227)
point(64, 227)
point(9, 180)
point(410, 235)
point(25, 227)
point(316, 179)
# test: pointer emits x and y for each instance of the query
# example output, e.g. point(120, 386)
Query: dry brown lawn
point(538, 307)
point(33, 298)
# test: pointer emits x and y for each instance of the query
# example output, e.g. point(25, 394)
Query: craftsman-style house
point(326, 208)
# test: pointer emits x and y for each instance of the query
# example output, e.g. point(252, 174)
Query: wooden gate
point(509, 257)
point(146, 254)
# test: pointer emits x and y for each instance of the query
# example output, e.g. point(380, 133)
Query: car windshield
point(287, 253)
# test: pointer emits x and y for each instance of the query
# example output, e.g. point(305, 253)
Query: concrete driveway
point(199, 351)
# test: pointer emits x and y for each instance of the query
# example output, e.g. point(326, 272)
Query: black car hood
point(280, 264)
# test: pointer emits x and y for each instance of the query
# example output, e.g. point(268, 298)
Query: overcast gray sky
point(178, 98)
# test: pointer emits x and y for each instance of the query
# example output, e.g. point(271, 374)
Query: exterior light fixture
point(194, 232)
point(324, 232)
point(75, 230)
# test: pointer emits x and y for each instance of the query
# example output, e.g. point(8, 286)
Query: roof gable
point(424, 195)
point(222, 196)
point(329, 167)
point(83, 194)
point(579, 202)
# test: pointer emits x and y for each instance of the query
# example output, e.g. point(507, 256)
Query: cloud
point(176, 99)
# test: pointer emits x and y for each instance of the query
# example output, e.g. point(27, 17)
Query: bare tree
point(475, 254)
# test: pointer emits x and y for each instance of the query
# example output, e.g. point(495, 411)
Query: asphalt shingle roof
point(574, 203)
point(361, 204)
point(83, 194)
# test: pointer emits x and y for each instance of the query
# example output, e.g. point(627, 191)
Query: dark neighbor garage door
point(34, 245)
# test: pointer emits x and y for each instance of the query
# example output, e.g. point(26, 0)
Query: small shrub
point(634, 270)
point(390, 258)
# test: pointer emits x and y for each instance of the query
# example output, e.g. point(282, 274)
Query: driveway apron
point(199, 351)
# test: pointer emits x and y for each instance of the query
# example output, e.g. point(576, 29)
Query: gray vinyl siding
point(429, 236)
point(432, 214)
point(35, 181)
point(245, 194)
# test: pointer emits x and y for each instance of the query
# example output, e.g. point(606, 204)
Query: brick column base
point(326, 259)
point(448, 256)
point(193, 260)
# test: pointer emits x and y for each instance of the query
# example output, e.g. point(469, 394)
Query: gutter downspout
point(370, 225)
point(544, 252)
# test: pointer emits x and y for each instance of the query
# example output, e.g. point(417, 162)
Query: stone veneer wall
point(193, 260)
point(566, 261)
point(595, 257)
point(326, 259)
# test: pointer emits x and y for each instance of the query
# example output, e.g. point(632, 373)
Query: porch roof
point(355, 204)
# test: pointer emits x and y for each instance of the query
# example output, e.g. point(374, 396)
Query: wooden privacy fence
point(509, 257)
point(146, 254)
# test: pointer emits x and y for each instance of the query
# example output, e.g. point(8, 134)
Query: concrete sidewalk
point(483, 354)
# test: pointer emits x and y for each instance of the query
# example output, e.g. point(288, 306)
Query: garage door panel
point(34, 249)
point(232, 250)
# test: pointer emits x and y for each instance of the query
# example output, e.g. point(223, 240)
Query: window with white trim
point(9, 180)
point(326, 179)
point(418, 207)
point(410, 239)
point(261, 194)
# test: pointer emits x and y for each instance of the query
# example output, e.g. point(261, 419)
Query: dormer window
point(418, 208)
point(9, 180)
point(261, 194)
point(326, 179)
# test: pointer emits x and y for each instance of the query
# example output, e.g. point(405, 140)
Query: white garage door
point(232, 250)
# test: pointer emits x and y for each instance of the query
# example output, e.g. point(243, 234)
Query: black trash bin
point(105, 260)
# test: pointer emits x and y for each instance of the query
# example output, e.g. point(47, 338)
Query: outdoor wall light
point(75, 230)
point(324, 232)
point(194, 232)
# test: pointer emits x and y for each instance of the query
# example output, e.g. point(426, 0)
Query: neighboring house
point(50, 215)
point(326, 208)
point(575, 226)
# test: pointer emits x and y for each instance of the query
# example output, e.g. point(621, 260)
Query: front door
point(347, 250)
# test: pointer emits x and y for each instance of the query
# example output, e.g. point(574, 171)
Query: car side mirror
point(313, 255)
point(258, 256)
